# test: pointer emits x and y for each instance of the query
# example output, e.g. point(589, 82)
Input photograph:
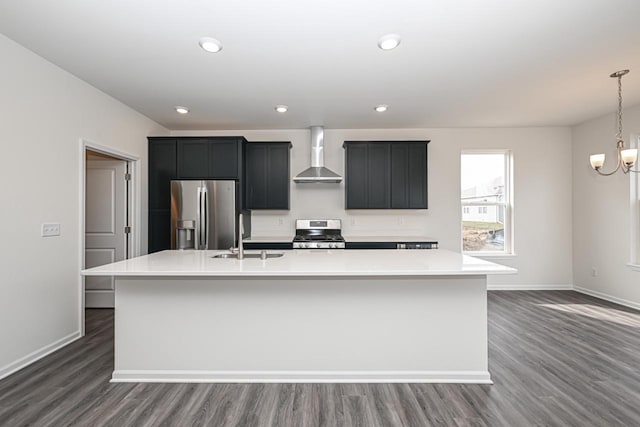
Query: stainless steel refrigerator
point(203, 214)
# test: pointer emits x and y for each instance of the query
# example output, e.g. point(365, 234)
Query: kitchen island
point(308, 316)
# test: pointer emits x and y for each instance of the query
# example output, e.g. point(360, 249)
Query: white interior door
point(105, 221)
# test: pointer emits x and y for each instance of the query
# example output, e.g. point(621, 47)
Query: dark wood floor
point(558, 358)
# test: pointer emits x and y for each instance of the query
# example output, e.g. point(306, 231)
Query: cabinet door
point(417, 176)
point(193, 158)
point(378, 175)
point(267, 175)
point(162, 169)
point(223, 159)
point(278, 176)
point(256, 176)
point(356, 184)
point(409, 175)
point(159, 230)
point(399, 176)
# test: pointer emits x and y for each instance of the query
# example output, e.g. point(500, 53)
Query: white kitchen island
point(309, 316)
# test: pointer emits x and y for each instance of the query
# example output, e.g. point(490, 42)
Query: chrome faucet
point(240, 233)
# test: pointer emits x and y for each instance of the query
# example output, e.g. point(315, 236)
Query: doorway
point(109, 217)
point(106, 223)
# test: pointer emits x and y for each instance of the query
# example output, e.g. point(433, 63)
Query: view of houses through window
point(485, 200)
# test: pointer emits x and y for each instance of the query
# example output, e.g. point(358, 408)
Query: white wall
point(602, 219)
point(542, 158)
point(44, 111)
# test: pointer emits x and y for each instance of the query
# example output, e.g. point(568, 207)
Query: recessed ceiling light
point(182, 110)
point(281, 108)
point(381, 108)
point(210, 44)
point(389, 41)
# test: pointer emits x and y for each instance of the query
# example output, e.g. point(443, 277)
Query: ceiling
point(461, 63)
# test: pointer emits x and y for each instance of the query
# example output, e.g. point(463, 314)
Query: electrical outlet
point(50, 229)
point(400, 220)
point(280, 221)
point(594, 272)
point(353, 221)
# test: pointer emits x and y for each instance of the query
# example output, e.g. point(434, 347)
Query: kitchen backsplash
point(354, 223)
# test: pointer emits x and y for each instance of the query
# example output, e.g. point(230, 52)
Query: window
point(635, 210)
point(486, 199)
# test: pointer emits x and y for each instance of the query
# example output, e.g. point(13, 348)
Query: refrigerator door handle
point(205, 219)
point(199, 218)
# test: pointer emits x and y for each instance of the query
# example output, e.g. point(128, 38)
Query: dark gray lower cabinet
point(386, 174)
point(274, 246)
point(267, 175)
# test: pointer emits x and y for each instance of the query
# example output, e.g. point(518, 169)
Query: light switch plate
point(50, 229)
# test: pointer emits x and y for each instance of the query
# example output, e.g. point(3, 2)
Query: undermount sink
point(250, 255)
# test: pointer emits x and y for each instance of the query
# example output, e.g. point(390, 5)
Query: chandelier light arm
point(613, 171)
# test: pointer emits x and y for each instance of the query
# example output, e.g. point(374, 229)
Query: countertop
point(347, 238)
point(302, 263)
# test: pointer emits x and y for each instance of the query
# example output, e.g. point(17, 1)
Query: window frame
point(509, 246)
point(634, 204)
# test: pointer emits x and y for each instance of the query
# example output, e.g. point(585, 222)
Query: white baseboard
point(529, 287)
point(12, 367)
point(607, 297)
point(151, 376)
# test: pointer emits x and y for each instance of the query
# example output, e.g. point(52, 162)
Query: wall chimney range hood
point(317, 173)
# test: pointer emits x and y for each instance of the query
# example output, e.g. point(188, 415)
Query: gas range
point(318, 234)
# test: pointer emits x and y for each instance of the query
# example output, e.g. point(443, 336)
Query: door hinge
point(127, 230)
point(127, 176)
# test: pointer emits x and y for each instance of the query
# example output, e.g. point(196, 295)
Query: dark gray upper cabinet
point(409, 176)
point(209, 158)
point(224, 158)
point(367, 175)
point(267, 175)
point(386, 174)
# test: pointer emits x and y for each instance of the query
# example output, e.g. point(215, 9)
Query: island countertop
point(303, 263)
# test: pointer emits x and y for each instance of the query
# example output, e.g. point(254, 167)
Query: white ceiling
point(461, 63)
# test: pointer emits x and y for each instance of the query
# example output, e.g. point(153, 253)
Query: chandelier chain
point(619, 134)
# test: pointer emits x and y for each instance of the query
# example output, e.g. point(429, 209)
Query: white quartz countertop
point(299, 263)
point(347, 238)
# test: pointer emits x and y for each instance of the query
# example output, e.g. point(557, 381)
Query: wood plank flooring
point(558, 358)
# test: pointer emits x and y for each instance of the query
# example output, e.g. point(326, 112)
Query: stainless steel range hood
point(317, 173)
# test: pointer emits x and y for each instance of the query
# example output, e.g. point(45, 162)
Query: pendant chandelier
point(626, 157)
